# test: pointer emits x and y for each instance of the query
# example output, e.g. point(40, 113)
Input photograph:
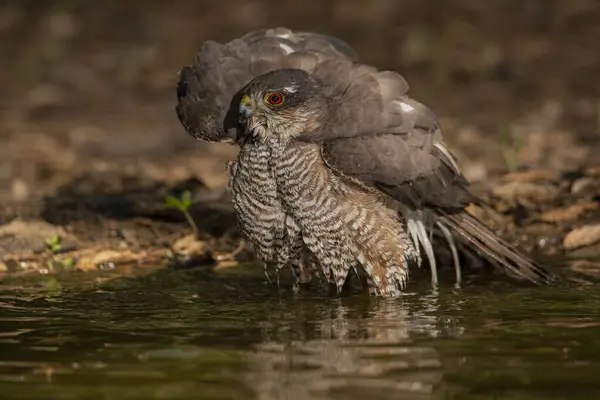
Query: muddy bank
point(90, 145)
point(110, 219)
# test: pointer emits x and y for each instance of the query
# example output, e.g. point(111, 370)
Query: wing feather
point(388, 141)
point(379, 135)
point(208, 88)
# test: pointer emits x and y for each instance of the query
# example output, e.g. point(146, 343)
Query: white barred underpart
point(287, 202)
point(283, 192)
point(276, 239)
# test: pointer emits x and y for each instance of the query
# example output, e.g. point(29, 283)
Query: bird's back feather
point(208, 90)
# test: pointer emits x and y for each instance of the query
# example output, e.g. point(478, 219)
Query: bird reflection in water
point(375, 349)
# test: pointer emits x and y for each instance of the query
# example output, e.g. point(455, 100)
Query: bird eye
point(274, 98)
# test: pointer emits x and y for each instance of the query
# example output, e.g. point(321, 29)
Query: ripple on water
point(177, 334)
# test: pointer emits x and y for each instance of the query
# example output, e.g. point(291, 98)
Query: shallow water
point(198, 335)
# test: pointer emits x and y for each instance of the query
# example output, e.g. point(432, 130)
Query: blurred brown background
point(88, 87)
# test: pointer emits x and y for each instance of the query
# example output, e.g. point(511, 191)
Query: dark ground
point(90, 144)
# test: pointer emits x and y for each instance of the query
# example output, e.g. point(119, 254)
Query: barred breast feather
point(343, 225)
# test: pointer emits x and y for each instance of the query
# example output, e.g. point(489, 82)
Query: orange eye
point(274, 99)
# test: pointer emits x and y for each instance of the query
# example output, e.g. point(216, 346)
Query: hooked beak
point(246, 107)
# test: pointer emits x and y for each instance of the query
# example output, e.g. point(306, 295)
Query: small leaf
point(186, 199)
point(52, 240)
point(172, 202)
point(53, 244)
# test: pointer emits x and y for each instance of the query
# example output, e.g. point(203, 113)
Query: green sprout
point(183, 204)
point(54, 247)
point(511, 147)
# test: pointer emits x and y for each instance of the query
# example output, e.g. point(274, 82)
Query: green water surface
point(194, 334)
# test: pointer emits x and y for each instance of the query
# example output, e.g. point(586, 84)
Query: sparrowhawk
point(335, 161)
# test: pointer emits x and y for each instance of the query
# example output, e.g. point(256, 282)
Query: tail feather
point(417, 229)
point(453, 249)
point(494, 247)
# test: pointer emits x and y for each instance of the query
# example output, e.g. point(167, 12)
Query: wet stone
point(189, 250)
point(568, 214)
point(531, 176)
point(107, 259)
point(593, 171)
point(526, 193)
point(582, 237)
point(25, 237)
point(582, 184)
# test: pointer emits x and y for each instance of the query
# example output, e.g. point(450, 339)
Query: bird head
point(283, 103)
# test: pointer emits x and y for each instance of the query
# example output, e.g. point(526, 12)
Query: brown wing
point(410, 168)
point(379, 135)
point(207, 89)
point(416, 169)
